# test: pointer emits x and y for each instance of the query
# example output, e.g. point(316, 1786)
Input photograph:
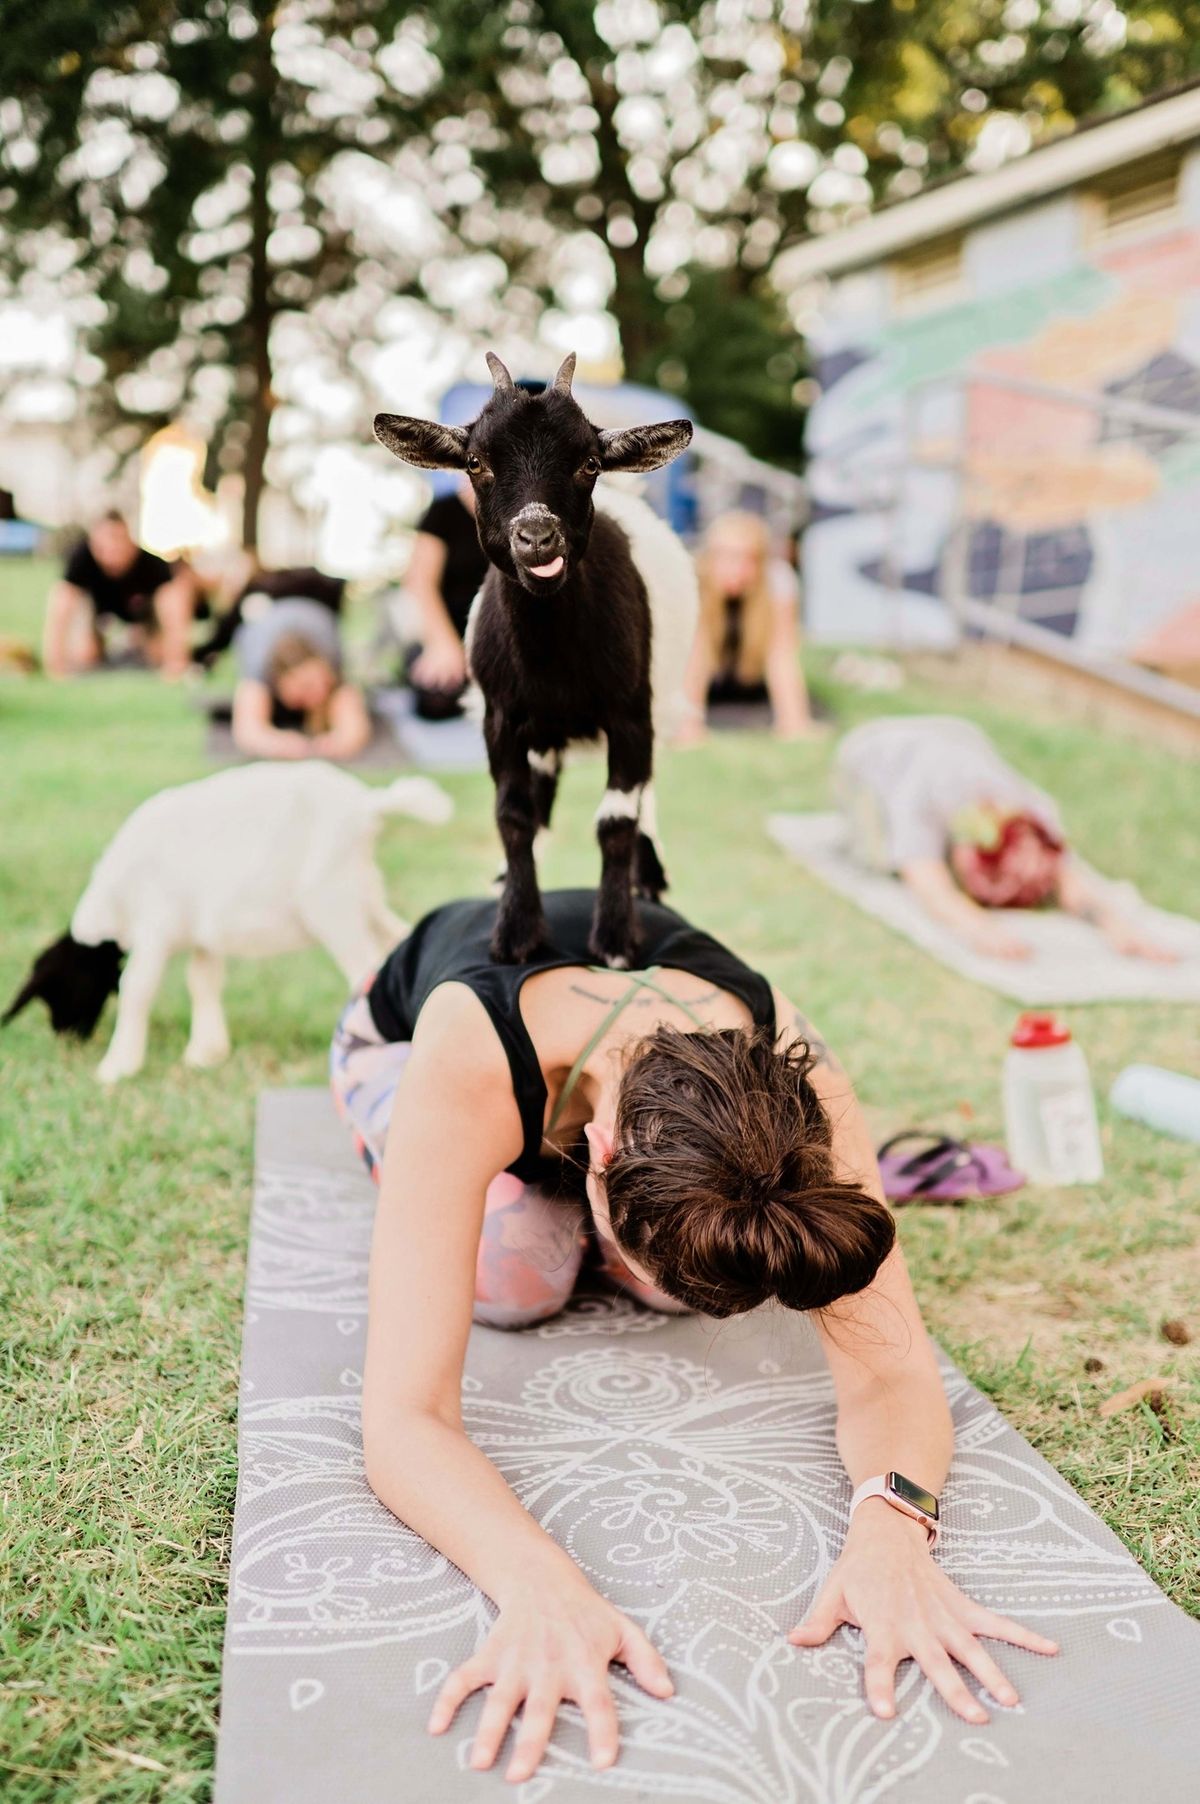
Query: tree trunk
point(638, 313)
point(260, 312)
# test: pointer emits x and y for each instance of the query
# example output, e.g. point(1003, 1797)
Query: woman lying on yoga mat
point(725, 1164)
point(930, 798)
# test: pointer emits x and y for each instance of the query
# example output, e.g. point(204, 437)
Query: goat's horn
point(566, 369)
point(502, 382)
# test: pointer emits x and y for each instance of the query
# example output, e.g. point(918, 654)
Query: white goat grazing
point(248, 863)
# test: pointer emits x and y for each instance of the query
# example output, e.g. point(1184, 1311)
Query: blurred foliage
point(164, 172)
point(732, 356)
point(180, 171)
point(787, 117)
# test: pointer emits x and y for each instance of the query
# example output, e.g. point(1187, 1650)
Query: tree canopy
point(223, 191)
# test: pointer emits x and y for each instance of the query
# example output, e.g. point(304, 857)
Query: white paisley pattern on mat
point(688, 1467)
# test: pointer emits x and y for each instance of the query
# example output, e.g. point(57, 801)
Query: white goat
point(251, 862)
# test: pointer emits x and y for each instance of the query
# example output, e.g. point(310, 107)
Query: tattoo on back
point(816, 1045)
point(646, 998)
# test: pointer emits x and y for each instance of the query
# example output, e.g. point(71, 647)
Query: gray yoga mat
point(437, 745)
point(1071, 961)
point(690, 1469)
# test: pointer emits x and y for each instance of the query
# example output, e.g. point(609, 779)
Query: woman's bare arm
point(252, 729)
point(697, 675)
point(349, 725)
point(1079, 894)
point(892, 1416)
point(791, 715)
point(454, 1127)
point(63, 605)
point(891, 1405)
point(443, 660)
point(932, 882)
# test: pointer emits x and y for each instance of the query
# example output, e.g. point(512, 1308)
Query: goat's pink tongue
point(550, 569)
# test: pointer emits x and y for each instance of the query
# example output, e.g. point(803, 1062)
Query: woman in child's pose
point(930, 799)
point(727, 1164)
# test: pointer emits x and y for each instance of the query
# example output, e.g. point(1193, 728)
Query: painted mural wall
point(933, 470)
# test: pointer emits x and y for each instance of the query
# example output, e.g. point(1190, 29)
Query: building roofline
point(1091, 150)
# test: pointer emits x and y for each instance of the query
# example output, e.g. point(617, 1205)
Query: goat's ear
point(35, 983)
point(644, 447)
point(24, 996)
point(423, 442)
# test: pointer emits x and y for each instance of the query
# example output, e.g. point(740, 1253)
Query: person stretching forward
point(930, 798)
point(724, 1164)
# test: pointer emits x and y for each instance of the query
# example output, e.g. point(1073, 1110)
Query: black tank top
point(451, 946)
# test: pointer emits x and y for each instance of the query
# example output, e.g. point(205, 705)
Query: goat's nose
point(537, 539)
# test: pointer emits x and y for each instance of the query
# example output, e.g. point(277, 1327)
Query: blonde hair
point(751, 532)
point(290, 651)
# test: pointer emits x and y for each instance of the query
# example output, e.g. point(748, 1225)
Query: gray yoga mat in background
point(437, 745)
point(689, 1468)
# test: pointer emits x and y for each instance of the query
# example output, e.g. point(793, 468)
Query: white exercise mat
point(1071, 961)
point(689, 1467)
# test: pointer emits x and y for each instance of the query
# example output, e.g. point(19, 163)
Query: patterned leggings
point(532, 1244)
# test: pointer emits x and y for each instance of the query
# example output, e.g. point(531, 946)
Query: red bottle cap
point(1040, 1030)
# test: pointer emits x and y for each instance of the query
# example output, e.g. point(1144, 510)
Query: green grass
point(124, 1217)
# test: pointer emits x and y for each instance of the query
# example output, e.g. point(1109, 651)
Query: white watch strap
point(870, 1487)
point(878, 1487)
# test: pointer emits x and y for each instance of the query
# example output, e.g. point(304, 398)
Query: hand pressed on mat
point(543, 1649)
point(887, 1584)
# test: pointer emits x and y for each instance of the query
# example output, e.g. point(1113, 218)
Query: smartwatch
point(903, 1495)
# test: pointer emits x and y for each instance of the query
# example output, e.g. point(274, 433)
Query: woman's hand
point(546, 1646)
point(1130, 941)
point(694, 731)
point(991, 940)
point(442, 663)
point(284, 743)
point(886, 1584)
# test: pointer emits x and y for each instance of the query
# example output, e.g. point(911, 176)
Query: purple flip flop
point(944, 1170)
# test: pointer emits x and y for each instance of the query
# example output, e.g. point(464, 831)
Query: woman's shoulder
point(457, 1035)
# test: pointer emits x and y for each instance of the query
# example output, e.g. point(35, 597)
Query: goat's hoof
point(620, 957)
point(203, 1058)
point(111, 1071)
point(517, 948)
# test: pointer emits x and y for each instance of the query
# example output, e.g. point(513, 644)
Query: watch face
point(925, 1501)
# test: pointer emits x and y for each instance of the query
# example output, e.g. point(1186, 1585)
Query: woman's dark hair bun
point(722, 1182)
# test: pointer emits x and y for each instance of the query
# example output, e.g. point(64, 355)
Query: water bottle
point(1166, 1100)
point(1049, 1106)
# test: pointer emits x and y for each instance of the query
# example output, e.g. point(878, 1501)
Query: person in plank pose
point(109, 578)
point(724, 1163)
point(747, 645)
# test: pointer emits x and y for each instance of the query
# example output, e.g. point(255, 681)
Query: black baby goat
point(582, 627)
